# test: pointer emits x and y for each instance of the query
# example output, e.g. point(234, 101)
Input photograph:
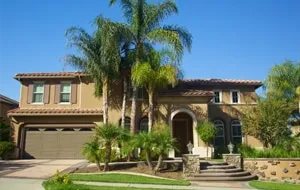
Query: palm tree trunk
point(124, 101)
point(105, 102)
point(150, 112)
point(149, 159)
point(133, 111)
point(98, 164)
point(159, 162)
point(107, 156)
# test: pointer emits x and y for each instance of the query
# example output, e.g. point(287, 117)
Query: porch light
point(190, 147)
point(230, 147)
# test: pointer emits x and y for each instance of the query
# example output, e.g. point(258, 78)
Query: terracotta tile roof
point(49, 75)
point(186, 92)
point(221, 82)
point(53, 112)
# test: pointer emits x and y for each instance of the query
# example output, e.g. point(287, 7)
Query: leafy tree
point(268, 121)
point(91, 150)
point(144, 28)
point(284, 80)
point(4, 131)
point(207, 132)
point(163, 142)
point(100, 57)
point(109, 135)
point(152, 76)
point(145, 141)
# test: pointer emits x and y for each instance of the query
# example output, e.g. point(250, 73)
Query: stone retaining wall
point(274, 169)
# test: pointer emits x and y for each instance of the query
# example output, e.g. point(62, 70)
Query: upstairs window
point(236, 128)
point(141, 92)
point(65, 92)
point(218, 96)
point(38, 92)
point(235, 96)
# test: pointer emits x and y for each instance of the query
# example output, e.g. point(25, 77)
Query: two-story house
point(6, 104)
point(58, 112)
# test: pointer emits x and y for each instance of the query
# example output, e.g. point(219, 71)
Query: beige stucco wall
point(201, 107)
point(274, 168)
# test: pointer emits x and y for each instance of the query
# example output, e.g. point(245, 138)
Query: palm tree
point(109, 135)
point(92, 152)
point(163, 142)
point(144, 28)
point(100, 57)
point(145, 141)
point(152, 76)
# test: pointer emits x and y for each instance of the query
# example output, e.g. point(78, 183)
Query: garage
point(55, 143)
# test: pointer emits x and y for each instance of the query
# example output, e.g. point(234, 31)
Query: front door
point(182, 131)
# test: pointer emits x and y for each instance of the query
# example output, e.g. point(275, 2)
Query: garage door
point(58, 143)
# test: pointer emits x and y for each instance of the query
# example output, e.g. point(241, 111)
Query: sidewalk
point(196, 186)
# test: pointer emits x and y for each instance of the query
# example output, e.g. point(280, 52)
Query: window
point(219, 140)
point(38, 92)
point(144, 125)
point(126, 124)
point(218, 96)
point(235, 96)
point(65, 92)
point(236, 128)
point(141, 92)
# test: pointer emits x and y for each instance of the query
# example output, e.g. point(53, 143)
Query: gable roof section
point(219, 82)
point(8, 100)
point(53, 112)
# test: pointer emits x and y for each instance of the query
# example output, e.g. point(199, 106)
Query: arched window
point(219, 140)
point(144, 125)
point(126, 124)
point(236, 128)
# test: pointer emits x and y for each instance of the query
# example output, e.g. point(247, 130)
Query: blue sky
point(231, 39)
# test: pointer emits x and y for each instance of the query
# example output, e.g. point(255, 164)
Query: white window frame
point(231, 97)
point(235, 125)
point(65, 82)
point(220, 96)
point(223, 125)
point(35, 83)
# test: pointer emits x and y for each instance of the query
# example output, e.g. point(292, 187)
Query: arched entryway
point(182, 130)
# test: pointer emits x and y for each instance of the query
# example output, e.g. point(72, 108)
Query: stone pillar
point(233, 159)
point(191, 165)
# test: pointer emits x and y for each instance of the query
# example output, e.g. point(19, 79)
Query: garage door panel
point(55, 144)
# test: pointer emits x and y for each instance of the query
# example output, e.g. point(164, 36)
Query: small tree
point(4, 131)
point(109, 135)
point(269, 120)
point(207, 132)
point(163, 142)
point(91, 150)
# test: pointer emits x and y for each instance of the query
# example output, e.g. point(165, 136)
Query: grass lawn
point(126, 178)
point(50, 186)
point(273, 185)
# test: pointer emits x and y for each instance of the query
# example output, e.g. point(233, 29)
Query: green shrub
point(61, 179)
point(276, 152)
point(154, 155)
point(5, 149)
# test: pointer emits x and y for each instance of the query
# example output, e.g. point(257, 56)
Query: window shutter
point(73, 93)
point(57, 94)
point(46, 93)
point(29, 93)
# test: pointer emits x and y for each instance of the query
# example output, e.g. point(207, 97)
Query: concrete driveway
point(36, 169)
